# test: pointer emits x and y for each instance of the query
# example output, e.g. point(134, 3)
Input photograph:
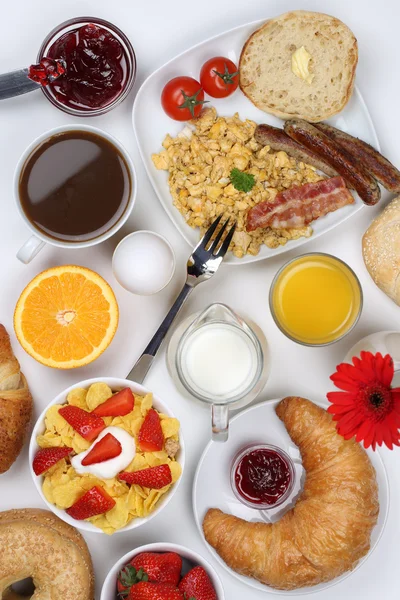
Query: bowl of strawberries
point(106, 455)
point(162, 571)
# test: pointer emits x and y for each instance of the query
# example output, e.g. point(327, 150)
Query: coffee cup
point(42, 235)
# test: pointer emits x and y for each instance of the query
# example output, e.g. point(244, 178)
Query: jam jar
point(262, 476)
point(99, 63)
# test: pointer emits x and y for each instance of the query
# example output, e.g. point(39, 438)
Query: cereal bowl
point(190, 559)
point(40, 427)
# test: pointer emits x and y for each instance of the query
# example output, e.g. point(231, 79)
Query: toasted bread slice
point(267, 78)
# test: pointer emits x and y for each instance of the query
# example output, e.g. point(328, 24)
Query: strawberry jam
point(46, 71)
point(95, 67)
point(263, 476)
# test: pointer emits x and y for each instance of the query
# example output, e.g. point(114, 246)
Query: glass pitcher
point(216, 337)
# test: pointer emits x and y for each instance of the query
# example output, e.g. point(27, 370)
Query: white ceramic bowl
point(39, 428)
point(190, 559)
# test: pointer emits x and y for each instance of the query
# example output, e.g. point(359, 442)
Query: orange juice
point(315, 299)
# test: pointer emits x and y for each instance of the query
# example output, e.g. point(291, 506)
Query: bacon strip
point(297, 207)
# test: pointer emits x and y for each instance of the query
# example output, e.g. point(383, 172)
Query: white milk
point(219, 361)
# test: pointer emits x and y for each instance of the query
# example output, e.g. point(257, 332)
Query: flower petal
point(364, 430)
point(346, 383)
point(369, 439)
point(351, 419)
point(387, 438)
point(342, 398)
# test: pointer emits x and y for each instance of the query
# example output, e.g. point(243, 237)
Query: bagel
point(328, 530)
point(35, 543)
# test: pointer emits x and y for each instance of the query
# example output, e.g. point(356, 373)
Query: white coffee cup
point(37, 241)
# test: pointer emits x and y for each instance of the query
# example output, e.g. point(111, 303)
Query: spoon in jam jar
point(85, 67)
point(23, 81)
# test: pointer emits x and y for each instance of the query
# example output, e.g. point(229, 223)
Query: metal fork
point(202, 264)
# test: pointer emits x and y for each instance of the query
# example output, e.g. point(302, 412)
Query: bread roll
point(381, 250)
point(267, 77)
point(15, 404)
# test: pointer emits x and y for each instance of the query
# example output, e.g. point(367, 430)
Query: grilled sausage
point(353, 173)
point(380, 167)
point(279, 140)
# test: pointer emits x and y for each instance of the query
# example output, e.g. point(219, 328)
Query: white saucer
point(211, 487)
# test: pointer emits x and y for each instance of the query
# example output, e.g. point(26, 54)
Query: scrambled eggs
point(62, 486)
point(199, 161)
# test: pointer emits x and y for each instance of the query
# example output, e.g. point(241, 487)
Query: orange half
point(66, 317)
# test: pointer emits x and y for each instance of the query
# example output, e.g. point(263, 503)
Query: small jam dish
point(262, 476)
point(126, 63)
point(190, 559)
point(143, 263)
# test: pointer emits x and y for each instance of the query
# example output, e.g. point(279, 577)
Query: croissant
point(327, 531)
point(15, 404)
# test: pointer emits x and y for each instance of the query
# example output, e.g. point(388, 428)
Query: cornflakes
point(97, 394)
point(77, 397)
point(63, 486)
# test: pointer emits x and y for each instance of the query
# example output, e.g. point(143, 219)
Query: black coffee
point(75, 186)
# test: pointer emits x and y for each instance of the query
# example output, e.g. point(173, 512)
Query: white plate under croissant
point(260, 424)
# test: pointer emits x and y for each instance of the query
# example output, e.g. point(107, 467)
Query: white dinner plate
point(212, 489)
point(151, 125)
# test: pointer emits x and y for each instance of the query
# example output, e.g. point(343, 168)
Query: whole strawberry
point(196, 585)
point(150, 566)
point(159, 567)
point(145, 590)
point(127, 577)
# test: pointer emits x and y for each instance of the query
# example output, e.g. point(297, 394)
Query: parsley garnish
point(243, 182)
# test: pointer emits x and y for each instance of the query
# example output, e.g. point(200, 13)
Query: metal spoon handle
point(142, 366)
point(16, 83)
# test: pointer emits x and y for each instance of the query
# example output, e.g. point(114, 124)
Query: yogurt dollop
point(109, 468)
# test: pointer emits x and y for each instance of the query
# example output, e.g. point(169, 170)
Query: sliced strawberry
point(118, 405)
point(106, 448)
point(151, 437)
point(86, 424)
point(47, 457)
point(145, 590)
point(197, 584)
point(154, 478)
point(94, 502)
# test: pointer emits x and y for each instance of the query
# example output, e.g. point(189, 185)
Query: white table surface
point(159, 30)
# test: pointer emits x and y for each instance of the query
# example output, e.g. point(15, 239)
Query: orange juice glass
point(315, 299)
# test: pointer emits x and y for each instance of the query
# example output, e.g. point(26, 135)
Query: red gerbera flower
point(368, 408)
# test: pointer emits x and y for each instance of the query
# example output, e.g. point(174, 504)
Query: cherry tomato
point(182, 98)
point(219, 77)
